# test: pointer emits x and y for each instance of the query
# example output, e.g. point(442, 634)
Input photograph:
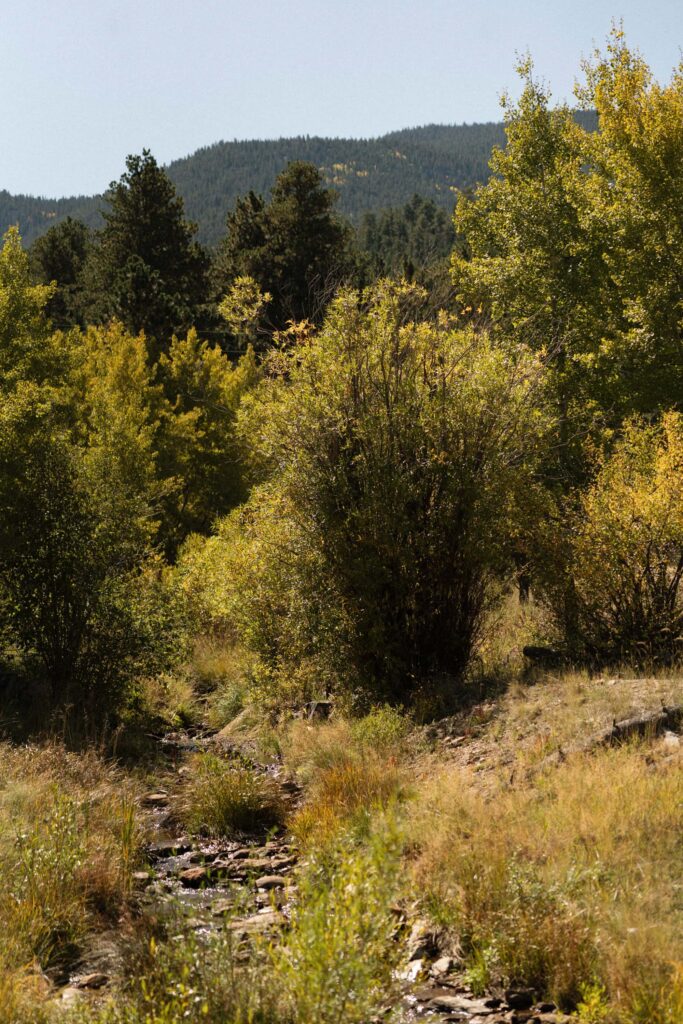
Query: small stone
point(271, 882)
point(222, 907)
point(70, 995)
point(193, 878)
point(671, 740)
point(159, 799)
point(141, 879)
point(257, 923)
point(168, 848)
point(460, 1004)
point(444, 965)
point(520, 998)
point(282, 863)
point(91, 981)
point(421, 941)
point(412, 971)
point(257, 864)
point(200, 857)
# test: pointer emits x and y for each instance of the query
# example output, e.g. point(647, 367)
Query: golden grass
point(68, 845)
point(572, 880)
point(221, 798)
point(351, 770)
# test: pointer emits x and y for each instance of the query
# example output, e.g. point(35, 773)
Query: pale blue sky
point(84, 82)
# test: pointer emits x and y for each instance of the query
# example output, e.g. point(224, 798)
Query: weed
point(222, 797)
point(336, 963)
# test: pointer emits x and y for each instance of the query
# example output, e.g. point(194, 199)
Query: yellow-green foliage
point(198, 448)
point(333, 964)
point(627, 560)
point(397, 458)
point(26, 350)
point(68, 845)
point(336, 962)
point(565, 883)
point(191, 980)
point(221, 798)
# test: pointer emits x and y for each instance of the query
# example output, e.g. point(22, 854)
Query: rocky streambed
point(248, 886)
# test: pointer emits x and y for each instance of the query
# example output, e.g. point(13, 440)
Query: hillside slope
point(369, 174)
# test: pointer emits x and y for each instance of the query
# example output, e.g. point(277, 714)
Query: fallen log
point(649, 725)
point(652, 724)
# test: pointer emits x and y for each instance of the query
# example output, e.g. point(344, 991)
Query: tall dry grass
point(69, 841)
point(565, 882)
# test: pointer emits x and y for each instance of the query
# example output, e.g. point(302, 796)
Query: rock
point(271, 897)
point(421, 941)
point(70, 995)
point(412, 972)
point(193, 878)
point(520, 998)
point(200, 857)
point(257, 864)
point(545, 1008)
point(282, 863)
point(222, 907)
point(444, 965)
point(159, 799)
point(258, 922)
point(232, 869)
point(168, 848)
point(141, 879)
point(91, 981)
point(461, 1004)
point(671, 740)
point(270, 882)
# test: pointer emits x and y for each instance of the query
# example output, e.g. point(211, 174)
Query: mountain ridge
point(433, 161)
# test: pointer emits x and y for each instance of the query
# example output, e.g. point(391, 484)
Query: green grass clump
point(222, 797)
point(336, 963)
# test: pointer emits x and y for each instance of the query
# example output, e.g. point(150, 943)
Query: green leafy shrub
point(626, 553)
point(336, 962)
point(398, 458)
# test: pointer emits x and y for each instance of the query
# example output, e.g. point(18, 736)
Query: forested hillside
point(369, 174)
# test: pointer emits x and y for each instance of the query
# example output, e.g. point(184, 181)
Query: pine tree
point(147, 269)
point(294, 247)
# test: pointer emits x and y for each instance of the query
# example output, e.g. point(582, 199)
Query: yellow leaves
point(244, 306)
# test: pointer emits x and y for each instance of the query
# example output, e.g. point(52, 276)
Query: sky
point(85, 82)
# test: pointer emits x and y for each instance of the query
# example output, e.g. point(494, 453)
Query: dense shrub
point(398, 466)
point(626, 552)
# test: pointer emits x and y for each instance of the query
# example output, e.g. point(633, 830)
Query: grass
point(351, 771)
point(570, 882)
point(69, 842)
point(223, 797)
point(334, 963)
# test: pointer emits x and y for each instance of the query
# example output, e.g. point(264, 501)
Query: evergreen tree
point(293, 247)
point(147, 270)
point(60, 255)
